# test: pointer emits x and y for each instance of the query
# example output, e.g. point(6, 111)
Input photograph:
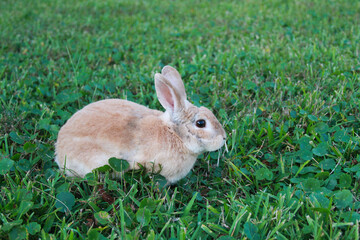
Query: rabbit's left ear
point(170, 92)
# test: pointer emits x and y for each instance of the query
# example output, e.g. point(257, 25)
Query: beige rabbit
point(169, 141)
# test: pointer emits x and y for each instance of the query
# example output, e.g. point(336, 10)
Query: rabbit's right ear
point(173, 76)
point(170, 97)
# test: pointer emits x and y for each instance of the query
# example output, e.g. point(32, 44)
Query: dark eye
point(201, 123)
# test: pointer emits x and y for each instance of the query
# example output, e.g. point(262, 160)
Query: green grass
point(282, 76)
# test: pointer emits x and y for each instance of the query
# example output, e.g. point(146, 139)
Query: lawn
point(282, 76)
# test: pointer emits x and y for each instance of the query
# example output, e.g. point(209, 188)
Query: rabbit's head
point(198, 128)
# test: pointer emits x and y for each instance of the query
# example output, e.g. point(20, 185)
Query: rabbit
point(168, 141)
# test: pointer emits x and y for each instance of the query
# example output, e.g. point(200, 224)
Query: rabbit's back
point(106, 118)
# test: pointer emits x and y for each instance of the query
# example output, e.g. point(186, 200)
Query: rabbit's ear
point(173, 76)
point(169, 96)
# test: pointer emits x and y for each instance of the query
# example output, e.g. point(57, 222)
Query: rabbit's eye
point(201, 123)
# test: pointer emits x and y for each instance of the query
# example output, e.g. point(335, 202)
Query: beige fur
point(168, 140)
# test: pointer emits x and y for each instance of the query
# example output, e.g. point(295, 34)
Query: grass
point(282, 76)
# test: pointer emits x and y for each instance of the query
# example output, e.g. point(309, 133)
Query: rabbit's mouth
point(210, 145)
point(215, 143)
